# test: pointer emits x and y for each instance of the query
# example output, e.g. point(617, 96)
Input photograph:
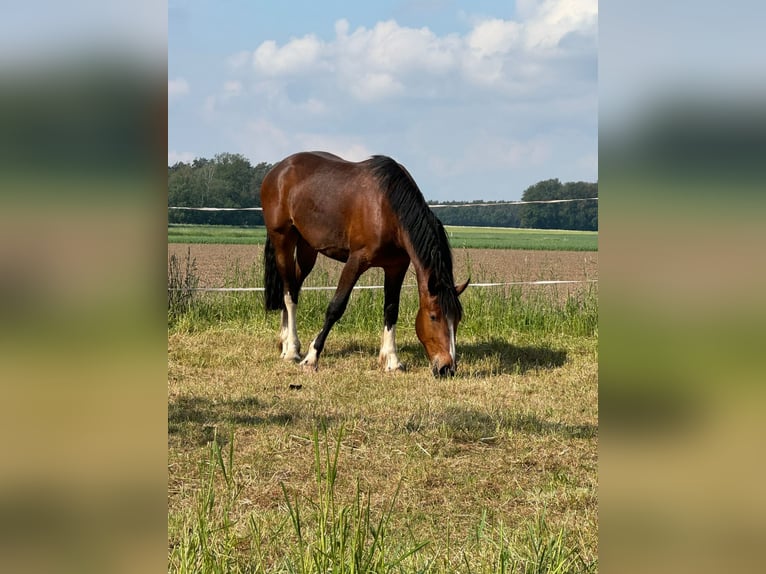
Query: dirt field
point(217, 263)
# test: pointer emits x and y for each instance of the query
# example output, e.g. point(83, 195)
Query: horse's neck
point(422, 275)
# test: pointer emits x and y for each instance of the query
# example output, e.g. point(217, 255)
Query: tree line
point(576, 215)
point(227, 180)
point(230, 180)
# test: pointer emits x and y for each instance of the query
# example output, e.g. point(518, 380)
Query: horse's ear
point(461, 288)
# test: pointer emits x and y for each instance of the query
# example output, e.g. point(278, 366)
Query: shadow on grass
point(470, 425)
point(505, 358)
point(352, 349)
point(479, 358)
point(195, 419)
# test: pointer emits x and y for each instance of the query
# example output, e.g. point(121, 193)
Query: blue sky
point(478, 99)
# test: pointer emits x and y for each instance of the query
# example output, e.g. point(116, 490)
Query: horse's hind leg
point(305, 257)
point(388, 359)
point(284, 247)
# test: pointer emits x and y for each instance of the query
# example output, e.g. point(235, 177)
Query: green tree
point(541, 215)
point(577, 215)
point(228, 180)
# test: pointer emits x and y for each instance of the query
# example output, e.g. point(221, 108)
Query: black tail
point(274, 293)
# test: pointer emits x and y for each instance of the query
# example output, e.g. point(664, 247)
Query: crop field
point(349, 469)
point(460, 237)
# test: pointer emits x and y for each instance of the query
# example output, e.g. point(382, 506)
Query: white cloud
point(295, 56)
point(185, 156)
point(345, 147)
point(492, 37)
point(212, 104)
point(551, 20)
point(493, 151)
point(509, 96)
point(177, 88)
point(389, 60)
point(267, 141)
point(389, 47)
point(375, 86)
point(264, 140)
point(341, 27)
point(239, 59)
point(232, 88)
point(312, 106)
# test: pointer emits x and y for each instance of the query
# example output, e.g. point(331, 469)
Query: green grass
point(330, 536)
point(349, 469)
point(469, 237)
point(225, 234)
point(538, 239)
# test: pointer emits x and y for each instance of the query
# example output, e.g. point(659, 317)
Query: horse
point(364, 214)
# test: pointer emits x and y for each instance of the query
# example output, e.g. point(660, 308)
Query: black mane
point(426, 232)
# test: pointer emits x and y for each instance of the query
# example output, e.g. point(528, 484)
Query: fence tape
point(260, 289)
point(499, 203)
point(217, 208)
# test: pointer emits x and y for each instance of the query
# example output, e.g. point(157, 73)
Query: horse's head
point(437, 328)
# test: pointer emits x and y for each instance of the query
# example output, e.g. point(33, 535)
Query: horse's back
point(301, 170)
point(319, 180)
point(334, 204)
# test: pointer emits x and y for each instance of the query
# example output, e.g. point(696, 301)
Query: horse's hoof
point(291, 355)
point(390, 364)
point(309, 367)
point(310, 362)
point(397, 369)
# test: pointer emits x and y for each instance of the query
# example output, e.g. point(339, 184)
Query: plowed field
point(217, 265)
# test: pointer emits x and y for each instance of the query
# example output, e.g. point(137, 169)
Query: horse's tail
point(272, 281)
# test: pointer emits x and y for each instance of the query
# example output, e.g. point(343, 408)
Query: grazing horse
point(365, 214)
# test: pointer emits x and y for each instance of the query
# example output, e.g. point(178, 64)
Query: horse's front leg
point(388, 359)
point(351, 272)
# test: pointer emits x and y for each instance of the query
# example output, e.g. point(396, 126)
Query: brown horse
point(366, 214)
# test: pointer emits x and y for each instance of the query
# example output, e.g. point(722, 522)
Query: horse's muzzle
point(444, 370)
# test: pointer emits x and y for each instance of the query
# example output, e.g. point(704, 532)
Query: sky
point(478, 99)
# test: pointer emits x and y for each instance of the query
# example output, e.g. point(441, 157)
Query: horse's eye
point(433, 317)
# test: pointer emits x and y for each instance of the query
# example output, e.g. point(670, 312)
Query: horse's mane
point(426, 232)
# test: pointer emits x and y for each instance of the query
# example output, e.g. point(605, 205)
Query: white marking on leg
point(387, 357)
point(292, 346)
point(283, 332)
point(311, 357)
point(452, 341)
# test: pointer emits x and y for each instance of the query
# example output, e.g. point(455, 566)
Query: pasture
point(347, 469)
point(460, 237)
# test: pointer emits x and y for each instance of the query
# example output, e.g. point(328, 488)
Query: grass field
point(348, 469)
point(507, 238)
point(469, 237)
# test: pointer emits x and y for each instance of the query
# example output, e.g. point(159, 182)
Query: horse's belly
point(335, 253)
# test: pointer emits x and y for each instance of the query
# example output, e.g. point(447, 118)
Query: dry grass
point(513, 437)
point(508, 438)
